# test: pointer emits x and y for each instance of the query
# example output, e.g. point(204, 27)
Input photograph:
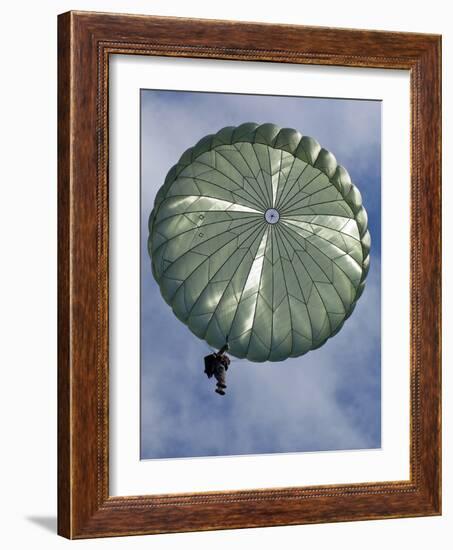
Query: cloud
point(328, 399)
point(324, 400)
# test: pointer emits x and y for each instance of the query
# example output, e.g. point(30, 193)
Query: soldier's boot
point(219, 391)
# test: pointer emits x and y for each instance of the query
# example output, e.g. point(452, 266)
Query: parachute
point(259, 238)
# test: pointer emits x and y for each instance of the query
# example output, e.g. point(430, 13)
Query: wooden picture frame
point(85, 42)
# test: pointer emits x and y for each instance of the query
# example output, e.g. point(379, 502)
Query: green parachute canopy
point(259, 238)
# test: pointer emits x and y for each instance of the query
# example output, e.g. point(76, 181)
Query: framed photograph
point(249, 275)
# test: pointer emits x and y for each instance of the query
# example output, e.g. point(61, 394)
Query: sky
point(326, 400)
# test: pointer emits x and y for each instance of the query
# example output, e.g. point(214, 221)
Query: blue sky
point(328, 399)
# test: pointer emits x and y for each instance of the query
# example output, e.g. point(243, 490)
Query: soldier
point(216, 365)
